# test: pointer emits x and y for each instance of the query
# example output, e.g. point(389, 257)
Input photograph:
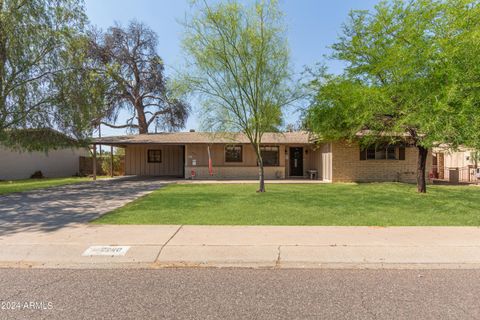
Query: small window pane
point(391, 154)
point(381, 154)
point(233, 154)
point(371, 153)
point(154, 156)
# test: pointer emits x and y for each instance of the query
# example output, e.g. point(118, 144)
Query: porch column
point(111, 160)
point(94, 162)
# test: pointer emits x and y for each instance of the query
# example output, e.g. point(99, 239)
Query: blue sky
point(313, 25)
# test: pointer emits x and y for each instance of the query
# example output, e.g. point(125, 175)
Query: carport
point(146, 156)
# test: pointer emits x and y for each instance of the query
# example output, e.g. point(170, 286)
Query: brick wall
point(347, 166)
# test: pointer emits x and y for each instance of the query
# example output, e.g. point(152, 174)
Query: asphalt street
point(239, 294)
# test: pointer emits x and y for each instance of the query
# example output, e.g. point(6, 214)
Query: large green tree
point(238, 64)
point(37, 38)
point(406, 63)
point(459, 42)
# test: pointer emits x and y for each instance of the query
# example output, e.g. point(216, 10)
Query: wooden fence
point(103, 166)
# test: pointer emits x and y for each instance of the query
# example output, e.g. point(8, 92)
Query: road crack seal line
point(277, 262)
point(165, 244)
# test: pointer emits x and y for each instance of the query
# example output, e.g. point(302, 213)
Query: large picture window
point(384, 152)
point(270, 156)
point(233, 153)
point(154, 156)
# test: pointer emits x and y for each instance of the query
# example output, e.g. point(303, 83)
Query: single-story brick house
point(286, 155)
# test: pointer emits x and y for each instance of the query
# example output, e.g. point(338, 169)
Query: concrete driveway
point(53, 208)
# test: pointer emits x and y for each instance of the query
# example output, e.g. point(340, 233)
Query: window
point(380, 154)
point(370, 153)
point(154, 156)
point(233, 153)
point(385, 152)
point(270, 156)
point(401, 153)
point(391, 154)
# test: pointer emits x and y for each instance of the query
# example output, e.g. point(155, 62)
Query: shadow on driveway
point(53, 208)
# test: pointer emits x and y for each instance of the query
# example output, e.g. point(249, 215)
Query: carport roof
point(300, 137)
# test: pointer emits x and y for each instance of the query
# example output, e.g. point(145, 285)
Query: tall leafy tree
point(403, 77)
point(35, 39)
point(238, 64)
point(459, 42)
point(134, 78)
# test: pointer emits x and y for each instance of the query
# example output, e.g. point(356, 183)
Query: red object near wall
point(210, 164)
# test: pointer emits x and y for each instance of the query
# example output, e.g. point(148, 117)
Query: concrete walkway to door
point(53, 208)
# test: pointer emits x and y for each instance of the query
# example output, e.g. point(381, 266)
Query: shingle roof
point(205, 137)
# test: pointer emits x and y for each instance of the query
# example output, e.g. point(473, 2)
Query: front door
point(296, 162)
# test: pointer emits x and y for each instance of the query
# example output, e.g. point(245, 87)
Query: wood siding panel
point(199, 153)
point(136, 160)
point(326, 156)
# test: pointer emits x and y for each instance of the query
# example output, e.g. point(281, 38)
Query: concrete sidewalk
point(249, 246)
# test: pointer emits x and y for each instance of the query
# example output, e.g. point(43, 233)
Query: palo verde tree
point(134, 79)
point(459, 42)
point(238, 64)
point(36, 37)
point(401, 82)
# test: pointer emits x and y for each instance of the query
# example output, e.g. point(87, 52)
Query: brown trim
point(94, 159)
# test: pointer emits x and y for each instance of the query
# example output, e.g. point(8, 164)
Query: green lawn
point(376, 204)
point(30, 184)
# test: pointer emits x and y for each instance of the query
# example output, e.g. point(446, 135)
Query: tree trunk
point(261, 187)
point(421, 167)
point(3, 59)
point(261, 171)
point(142, 120)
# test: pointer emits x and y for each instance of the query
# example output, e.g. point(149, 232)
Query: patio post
point(94, 162)
point(111, 160)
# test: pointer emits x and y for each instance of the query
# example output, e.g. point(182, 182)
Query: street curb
point(240, 265)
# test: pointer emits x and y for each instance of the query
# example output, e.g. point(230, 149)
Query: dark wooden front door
point(296, 162)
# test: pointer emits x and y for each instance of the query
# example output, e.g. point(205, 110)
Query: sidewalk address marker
point(106, 251)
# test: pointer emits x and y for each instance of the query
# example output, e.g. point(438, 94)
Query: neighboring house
point(54, 164)
point(454, 165)
point(63, 162)
point(286, 155)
